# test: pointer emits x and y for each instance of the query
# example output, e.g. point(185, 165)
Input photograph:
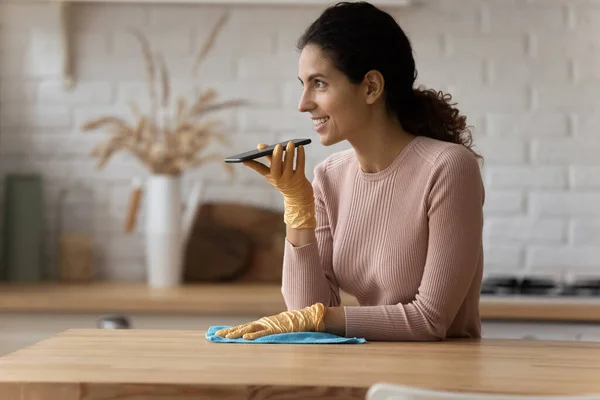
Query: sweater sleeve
point(455, 219)
point(307, 276)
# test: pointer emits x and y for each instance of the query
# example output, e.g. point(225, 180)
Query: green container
point(23, 232)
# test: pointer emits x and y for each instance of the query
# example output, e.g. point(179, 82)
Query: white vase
point(164, 231)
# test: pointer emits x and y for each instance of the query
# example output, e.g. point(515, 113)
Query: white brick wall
point(526, 73)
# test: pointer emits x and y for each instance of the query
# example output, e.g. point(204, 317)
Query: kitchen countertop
point(130, 364)
point(244, 299)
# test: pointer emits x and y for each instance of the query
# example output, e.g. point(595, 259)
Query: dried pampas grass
point(166, 142)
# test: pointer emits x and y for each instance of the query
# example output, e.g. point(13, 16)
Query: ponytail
point(430, 113)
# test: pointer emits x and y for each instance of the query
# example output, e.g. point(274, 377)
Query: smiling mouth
point(319, 122)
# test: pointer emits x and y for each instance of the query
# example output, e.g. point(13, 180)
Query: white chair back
point(390, 391)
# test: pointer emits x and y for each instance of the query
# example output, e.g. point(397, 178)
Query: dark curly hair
point(358, 37)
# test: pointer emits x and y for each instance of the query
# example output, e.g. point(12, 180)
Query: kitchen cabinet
point(541, 317)
point(541, 330)
point(30, 313)
point(18, 330)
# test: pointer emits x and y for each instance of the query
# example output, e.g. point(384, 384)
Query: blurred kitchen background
point(525, 72)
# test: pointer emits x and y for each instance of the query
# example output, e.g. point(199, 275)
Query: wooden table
point(138, 364)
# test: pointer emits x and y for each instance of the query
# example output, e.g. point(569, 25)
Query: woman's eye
point(319, 84)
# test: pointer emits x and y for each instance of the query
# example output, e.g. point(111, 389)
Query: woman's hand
point(297, 191)
point(309, 319)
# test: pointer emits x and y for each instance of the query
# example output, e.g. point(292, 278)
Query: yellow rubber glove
point(309, 319)
point(297, 191)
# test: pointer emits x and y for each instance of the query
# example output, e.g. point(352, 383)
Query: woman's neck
point(378, 145)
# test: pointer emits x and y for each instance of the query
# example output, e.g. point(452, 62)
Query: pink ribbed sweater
point(405, 241)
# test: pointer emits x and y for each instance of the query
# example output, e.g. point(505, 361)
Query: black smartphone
point(251, 155)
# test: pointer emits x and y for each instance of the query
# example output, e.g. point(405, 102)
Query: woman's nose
point(306, 103)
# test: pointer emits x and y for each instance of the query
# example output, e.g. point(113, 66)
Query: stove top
point(540, 286)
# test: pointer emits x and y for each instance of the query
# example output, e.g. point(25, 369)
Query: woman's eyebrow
point(313, 76)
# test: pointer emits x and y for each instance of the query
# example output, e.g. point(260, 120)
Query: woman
point(395, 221)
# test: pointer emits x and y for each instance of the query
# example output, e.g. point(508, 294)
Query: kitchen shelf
point(226, 299)
point(200, 299)
point(65, 21)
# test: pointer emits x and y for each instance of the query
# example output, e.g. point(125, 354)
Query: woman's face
point(337, 107)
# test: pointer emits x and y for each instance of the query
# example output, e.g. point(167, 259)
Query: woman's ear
point(375, 83)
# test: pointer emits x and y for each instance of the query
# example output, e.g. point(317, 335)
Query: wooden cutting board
point(235, 242)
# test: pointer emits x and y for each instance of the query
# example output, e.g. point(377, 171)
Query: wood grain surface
point(138, 364)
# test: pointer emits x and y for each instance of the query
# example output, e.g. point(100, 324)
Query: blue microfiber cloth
point(286, 338)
